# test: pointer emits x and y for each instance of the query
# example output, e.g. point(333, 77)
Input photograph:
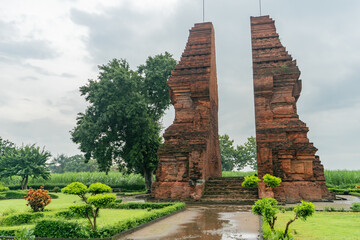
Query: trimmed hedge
point(66, 229)
point(60, 229)
point(10, 232)
point(20, 218)
point(122, 226)
point(50, 187)
point(137, 205)
point(20, 195)
point(341, 190)
point(67, 214)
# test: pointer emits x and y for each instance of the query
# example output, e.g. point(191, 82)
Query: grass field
point(323, 226)
point(108, 218)
point(113, 179)
point(342, 178)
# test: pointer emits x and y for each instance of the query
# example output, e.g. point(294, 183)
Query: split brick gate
point(190, 155)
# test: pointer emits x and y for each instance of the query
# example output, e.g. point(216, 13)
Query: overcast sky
point(49, 48)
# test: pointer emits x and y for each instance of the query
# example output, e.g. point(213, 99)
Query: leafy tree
point(237, 157)
point(302, 211)
point(5, 145)
point(76, 163)
point(92, 204)
point(26, 161)
point(121, 124)
point(267, 208)
point(247, 153)
point(227, 152)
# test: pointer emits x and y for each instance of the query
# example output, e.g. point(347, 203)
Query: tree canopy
point(25, 161)
point(121, 123)
point(76, 163)
point(237, 157)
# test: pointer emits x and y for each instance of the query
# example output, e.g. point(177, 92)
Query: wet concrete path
point(204, 222)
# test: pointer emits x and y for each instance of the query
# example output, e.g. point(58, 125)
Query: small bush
point(251, 182)
point(7, 232)
point(20, 218)
point(56, 189)
point(38, 199)
point(97, 188)
point(101, 201)
point(25, 234)
point(355, 207)
point(83, 210)
point(75, 188)
point(60, 229)
point(3, 188)
point(14, 194)
point(67, 214)
point(271, 181)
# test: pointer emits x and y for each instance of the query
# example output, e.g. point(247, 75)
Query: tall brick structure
point(283, 148)
point(191, 153)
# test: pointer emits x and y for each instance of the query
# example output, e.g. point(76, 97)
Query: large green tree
point(25, 161)
point(121, 123)
point(76, 163)
point(237, 157)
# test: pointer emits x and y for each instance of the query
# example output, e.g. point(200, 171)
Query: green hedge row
point(50, 187)
point(20, 218)
point(65, 229)
point(122, 226)
point(341, 190)
point(137, 205)
point(20, 194)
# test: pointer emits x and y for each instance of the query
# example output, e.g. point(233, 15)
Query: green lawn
point(324, 226)
point(106, 217)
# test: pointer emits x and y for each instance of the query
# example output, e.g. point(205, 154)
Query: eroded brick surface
point(283, 148)
point(191, 153)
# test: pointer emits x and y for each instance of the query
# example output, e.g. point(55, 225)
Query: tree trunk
point(288, 224)
point(148, 175)
point(24, 182)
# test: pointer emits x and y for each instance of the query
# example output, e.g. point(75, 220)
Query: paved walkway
point(205, 222)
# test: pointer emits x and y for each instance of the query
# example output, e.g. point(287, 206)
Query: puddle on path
point(203, 222)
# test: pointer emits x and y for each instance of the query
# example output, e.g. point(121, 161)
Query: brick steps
point(228, 190)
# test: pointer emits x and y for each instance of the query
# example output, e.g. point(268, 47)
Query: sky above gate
point(48, 49)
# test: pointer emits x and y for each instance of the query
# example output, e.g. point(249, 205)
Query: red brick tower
point(191, 152)
point(283, 148)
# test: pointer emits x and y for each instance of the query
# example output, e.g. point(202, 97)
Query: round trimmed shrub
point(271, 181)
point(251, 182)
point(97, 188)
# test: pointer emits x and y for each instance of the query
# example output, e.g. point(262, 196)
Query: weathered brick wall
point(283, 148)
point(191, 153)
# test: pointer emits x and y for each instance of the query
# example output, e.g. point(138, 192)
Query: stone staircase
point(228, 190)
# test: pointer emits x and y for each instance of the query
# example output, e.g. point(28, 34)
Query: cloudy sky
point(49, 48)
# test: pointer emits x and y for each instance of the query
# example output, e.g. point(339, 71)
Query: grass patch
point(110, 221)
point(323, 226)
point(237, 174)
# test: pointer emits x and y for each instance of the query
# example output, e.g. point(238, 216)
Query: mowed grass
point(106, 216)
point(323, 226)
point(237, 174)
